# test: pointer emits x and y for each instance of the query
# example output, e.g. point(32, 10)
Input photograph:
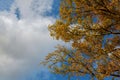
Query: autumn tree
point(92, 28)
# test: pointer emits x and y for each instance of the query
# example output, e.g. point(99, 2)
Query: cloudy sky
point(24, 38)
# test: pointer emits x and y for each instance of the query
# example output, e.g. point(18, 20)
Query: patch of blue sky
point(105, 39)
point(5, 5)
point(95, 65)
point(51, 76)
point(55, 9)
point(111, 78)
point(95, 19)
point(17, 13)
point(85, 77)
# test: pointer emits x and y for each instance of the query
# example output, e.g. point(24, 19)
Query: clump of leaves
point(92, 27)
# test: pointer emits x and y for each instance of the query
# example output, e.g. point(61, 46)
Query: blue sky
point(5, 4)
point(25, 40)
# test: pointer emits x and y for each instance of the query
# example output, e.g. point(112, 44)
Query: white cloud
point(32, 8)
point(24, 42)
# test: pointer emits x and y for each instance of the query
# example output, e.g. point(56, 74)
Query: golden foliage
point(92, 27)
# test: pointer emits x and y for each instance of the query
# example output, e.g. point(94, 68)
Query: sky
point(25, 39)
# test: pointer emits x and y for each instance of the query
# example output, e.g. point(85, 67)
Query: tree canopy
point(92, 28)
